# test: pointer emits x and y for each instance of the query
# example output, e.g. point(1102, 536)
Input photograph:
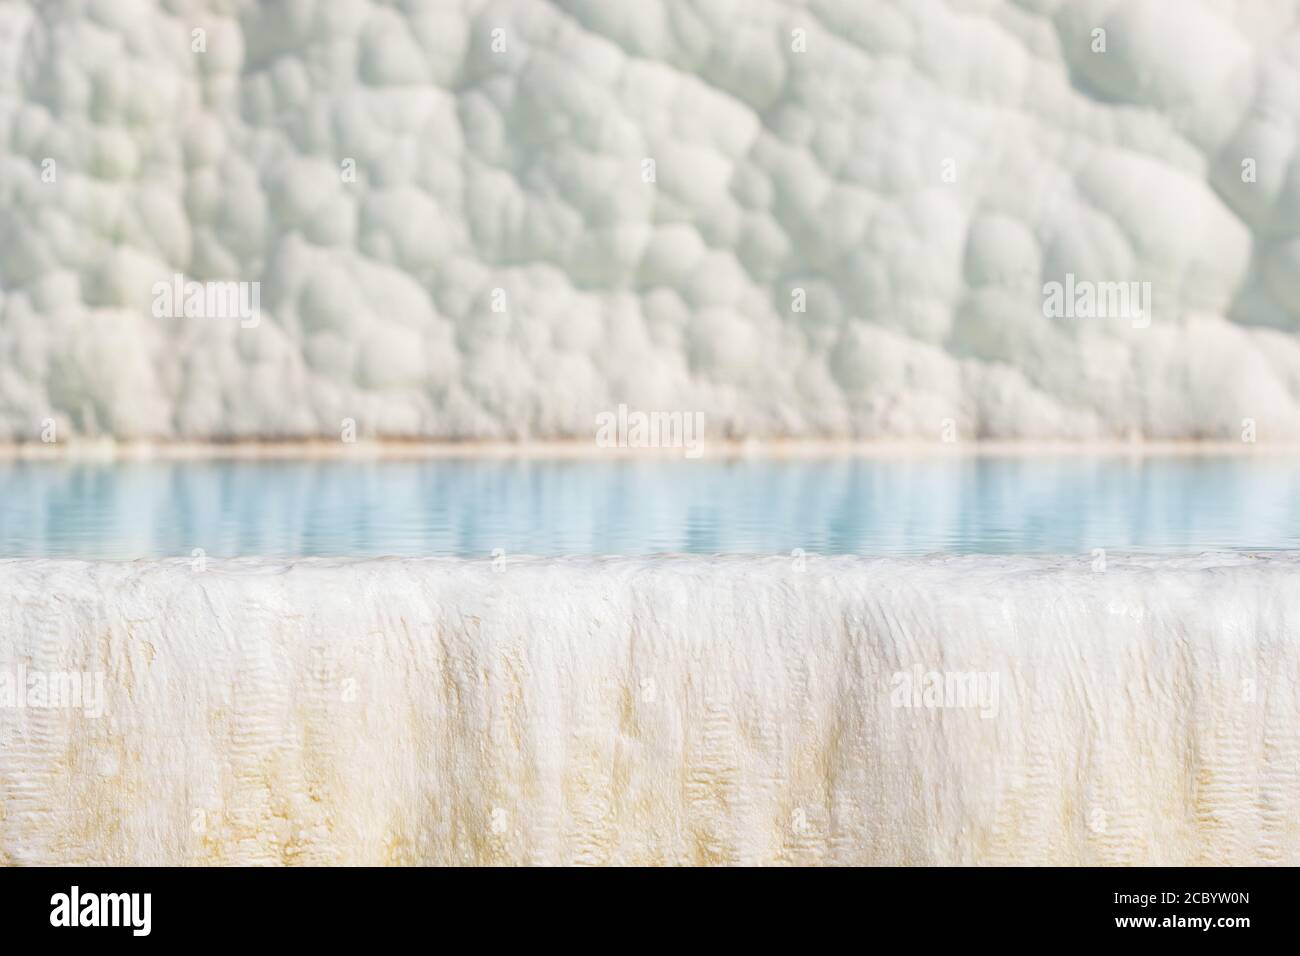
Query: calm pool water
point(1065, 504)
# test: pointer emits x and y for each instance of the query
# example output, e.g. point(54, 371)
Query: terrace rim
point(96, 449)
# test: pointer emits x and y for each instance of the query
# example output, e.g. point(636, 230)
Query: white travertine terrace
point(445, 208)
point(821, 168)
point(688, 710)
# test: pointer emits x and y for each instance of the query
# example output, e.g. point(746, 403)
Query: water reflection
point(903, 506)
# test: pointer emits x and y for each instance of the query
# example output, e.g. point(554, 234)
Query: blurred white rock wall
point(497, 219)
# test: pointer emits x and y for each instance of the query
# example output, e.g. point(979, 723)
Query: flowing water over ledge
point(902, 506)
point(672, 710)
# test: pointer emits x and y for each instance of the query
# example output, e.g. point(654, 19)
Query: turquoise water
point(1065, 504)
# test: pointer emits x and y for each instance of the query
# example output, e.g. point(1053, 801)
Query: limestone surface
point(494, 220)
point(972, 710)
